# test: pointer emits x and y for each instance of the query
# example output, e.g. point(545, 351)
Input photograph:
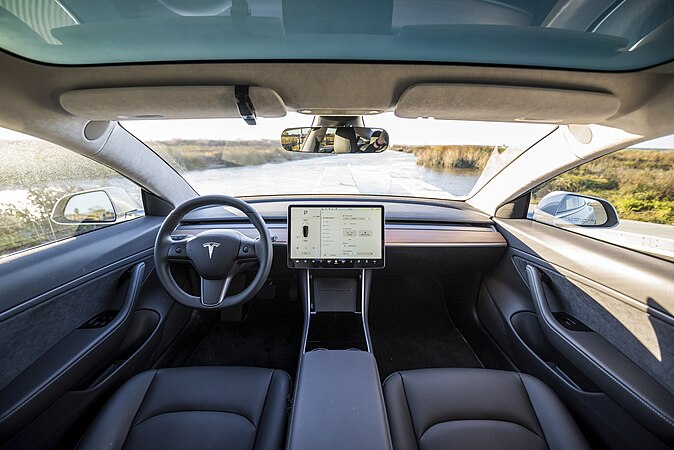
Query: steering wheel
point(217, 255)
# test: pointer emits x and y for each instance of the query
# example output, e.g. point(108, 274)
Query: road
point(388, 173)
point(651, 238)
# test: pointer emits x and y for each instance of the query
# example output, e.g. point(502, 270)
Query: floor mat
point(270, 336)
point(411, 329)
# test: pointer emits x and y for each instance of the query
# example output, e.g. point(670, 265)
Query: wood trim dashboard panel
point(398, 235)
point(423, 237)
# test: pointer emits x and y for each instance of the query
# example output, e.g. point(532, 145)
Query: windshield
point(426, 158)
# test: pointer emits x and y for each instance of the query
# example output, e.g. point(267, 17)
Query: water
point(388, 173)
point(19, 197)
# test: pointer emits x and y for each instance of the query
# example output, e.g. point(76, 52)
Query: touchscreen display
point(335, 236)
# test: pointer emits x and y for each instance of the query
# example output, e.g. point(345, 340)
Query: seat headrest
point(345, 140)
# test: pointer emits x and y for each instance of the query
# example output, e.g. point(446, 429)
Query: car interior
point(241, 317)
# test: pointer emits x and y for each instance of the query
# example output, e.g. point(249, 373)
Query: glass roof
point(609, 35)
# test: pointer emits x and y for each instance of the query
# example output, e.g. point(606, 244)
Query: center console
point(338, 403)
point(338, 398)
point(335, 305)
point(336, 247)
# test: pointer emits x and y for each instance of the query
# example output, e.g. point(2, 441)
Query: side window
point(48, 193)
point(635, 185)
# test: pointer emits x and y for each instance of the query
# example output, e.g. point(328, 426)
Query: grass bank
point(639, 183)
point(448, 157)
point(198, 154)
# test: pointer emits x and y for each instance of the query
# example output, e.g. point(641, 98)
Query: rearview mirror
point(565, 209)
point(99, 206)
point(335, 140)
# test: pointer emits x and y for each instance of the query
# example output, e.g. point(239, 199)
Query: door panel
point(41, 273)
point(600, 361)
point(599, 328)
point(26, 336)
point(643, 278)
point(70, 359)
point(56, 360)
point(642, 336)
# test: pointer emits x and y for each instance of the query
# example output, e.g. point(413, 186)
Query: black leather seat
point(195, 408)
point(476, 409)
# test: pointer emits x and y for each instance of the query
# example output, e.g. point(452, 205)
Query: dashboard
point(416, 236)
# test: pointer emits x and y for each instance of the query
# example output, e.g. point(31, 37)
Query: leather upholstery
point(195, 407)
point(476, 409)
point(338, 403)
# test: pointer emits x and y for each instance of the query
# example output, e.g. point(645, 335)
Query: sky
point(401, 131)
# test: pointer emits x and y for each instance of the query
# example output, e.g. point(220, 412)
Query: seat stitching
point(409, 411)
point(266, 396)
point(191, 410)
point(526, 392)
point(484, 420)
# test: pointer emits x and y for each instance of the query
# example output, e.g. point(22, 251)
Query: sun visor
point(505, 104)
point(168, 102)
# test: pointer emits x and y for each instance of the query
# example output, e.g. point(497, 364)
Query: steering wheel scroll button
point(247, 249)
point(176, 251)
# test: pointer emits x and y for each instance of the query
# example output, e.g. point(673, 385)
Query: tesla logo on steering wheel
point(210, 246)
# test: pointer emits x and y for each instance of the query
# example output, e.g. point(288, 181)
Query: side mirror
point(565, 209)
point(99, 206)
point(341, 139)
